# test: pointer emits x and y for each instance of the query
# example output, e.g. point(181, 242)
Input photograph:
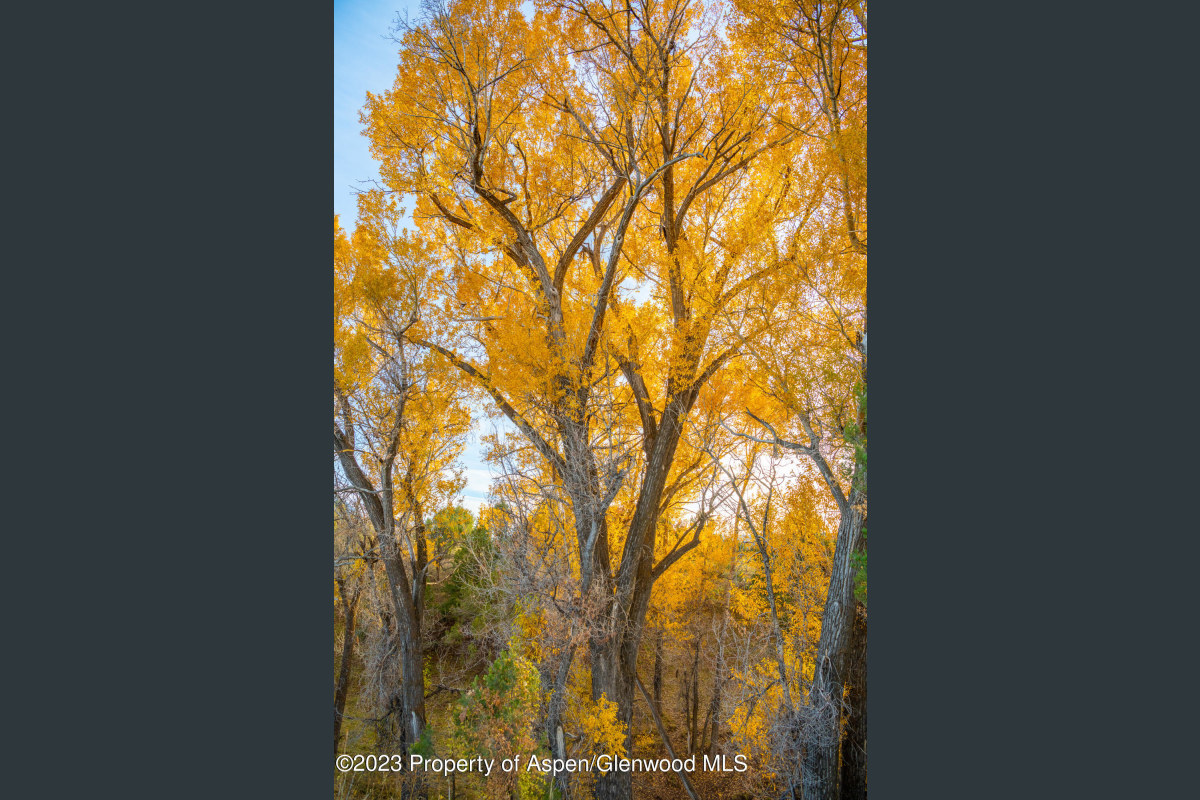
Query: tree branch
point(606, 201)
point(812, 451)
point(543, 447)
point(666, 740)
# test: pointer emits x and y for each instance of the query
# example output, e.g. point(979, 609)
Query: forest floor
point(360, 737)
point(457, 664)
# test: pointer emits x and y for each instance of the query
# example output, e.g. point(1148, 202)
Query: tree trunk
point(719, 667)
point(714, 715)
point(342, 689)
point(854, 739)
point(666, 740)
point(412, 697)
point(412, 658)
point(658, 657)
point(819, 766)
point(412, 688)
point(685, 709)
point(408, 597)
point(554, 712)
point(614, 655)
point(694, 726)
point(618, 688)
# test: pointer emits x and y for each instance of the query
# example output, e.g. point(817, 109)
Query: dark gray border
point(177, 278)
point(1020, 327)
point(1021, 611)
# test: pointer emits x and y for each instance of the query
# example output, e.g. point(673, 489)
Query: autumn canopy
point(634, 235)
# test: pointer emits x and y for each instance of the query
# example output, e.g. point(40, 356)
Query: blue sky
point(364, 59)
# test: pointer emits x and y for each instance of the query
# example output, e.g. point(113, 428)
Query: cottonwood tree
point(399, 424)
point(538, 572)
point(598, 178)
point(348, 579)
point(819, 399)
point(777, 591)
point(844, 475)
point(816, 407)
point(829, 428)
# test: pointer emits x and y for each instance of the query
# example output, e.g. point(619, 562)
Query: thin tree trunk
point(694, 731)
point(342, 690)
point(714, 708)
point(713, 716)
point(407, 596)
point(554, 712)
point(685, 697)
point(687, 785)
point(658, 658)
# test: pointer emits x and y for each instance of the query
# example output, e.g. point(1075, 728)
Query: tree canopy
point(638, 234)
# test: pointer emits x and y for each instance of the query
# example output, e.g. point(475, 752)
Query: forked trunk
point(614, 652)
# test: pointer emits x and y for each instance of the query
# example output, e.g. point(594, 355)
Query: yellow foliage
point(564, 272)
point(600, 729)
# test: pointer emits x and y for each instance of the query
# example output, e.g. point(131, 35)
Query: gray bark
point(554, 715)
point(819, 766)
point(407, 596)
